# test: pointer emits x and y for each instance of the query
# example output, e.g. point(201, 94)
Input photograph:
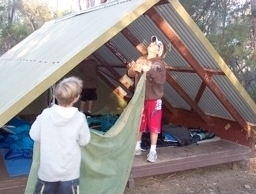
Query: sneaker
point(88, 114)
point(138, 152)
point(152, 157)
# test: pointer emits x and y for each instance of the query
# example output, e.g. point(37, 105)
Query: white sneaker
point(152, 156)
point(138, 152)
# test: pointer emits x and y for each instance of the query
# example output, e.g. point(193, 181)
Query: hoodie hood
point(61, 115)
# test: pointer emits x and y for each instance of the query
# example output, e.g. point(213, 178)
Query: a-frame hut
point(201, 91)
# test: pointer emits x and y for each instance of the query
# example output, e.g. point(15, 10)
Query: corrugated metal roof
point(52, 51)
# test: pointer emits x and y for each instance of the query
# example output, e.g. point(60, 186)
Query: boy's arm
point(34, 132)
point(85, 135)
point(135, 68)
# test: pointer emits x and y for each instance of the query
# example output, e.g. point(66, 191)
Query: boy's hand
point(137, 68)
point(145, 68)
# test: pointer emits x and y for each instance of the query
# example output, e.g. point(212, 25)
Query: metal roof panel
point(57, 47)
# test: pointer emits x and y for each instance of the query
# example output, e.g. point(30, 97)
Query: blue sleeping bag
point(15, 137)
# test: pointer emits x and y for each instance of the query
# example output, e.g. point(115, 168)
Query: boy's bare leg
point(90, 103)
point(153, 138)
point(152, 155)
point(82, 104)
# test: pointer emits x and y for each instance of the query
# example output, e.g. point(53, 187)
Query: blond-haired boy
point(61, 130)
point(155, 70)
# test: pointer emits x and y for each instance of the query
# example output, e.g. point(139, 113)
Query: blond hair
point(68, 90)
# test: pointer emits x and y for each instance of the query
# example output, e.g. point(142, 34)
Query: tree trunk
point(253, 7)
point(79, 5)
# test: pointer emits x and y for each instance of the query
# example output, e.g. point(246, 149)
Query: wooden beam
point(162, 2)
point(185, 96)
point(128, 34)
point(224, 128)
point(200, 92)
point(116, 52)
point(190, 70)
point(171, 68)
point(103, 77)
point(114, 66)
point(179, 45)
point(134, 41)
point(116, 75)
point(108, 75)
point(106, 65)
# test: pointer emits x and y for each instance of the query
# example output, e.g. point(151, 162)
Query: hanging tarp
point(107, 159)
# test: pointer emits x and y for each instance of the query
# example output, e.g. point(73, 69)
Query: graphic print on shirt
point(158, 104)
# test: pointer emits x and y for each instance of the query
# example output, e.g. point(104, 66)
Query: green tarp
point(107, 159)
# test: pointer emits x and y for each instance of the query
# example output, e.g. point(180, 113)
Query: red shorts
point(151, 119)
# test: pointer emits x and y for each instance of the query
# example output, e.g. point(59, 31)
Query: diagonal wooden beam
point(120, 56)
point(115, 74)
point(107, 74)
point(134, 41)
point(211, 72)
point(116, 52)
point(190, 70)
point(103, 77)
point(107, 66)
point(168, 106)
point(200, 92)
point(162, 2)
point(114, 66)
point(186, 97)
point(179, 45)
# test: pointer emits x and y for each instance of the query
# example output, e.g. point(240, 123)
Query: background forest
point(230, 25)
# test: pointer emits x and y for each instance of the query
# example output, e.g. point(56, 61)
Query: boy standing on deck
point(155, 70)
point(89, 92)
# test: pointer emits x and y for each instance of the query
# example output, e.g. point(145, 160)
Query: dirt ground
point(219, 179)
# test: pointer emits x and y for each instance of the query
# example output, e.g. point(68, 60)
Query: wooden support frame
point(178, 44)
point(173, 159)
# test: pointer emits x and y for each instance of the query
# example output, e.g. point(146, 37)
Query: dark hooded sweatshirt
point(156, 77)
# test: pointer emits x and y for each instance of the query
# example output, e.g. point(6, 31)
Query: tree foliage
point(19, 18)
point(229, 26)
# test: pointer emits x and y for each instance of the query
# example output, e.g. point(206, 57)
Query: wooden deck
point(11, 185)
point(173, 159)
point(170, 159)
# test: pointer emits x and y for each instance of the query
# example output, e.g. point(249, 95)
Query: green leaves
point(229, 26)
